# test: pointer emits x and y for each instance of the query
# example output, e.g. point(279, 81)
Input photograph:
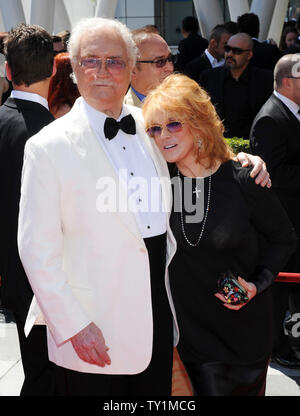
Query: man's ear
point(8, 71)
point(133, 72)
point(214, 44)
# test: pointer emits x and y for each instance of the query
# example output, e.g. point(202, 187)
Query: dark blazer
point(275, 136)
point(189, 48)
point(260, 88)
point(194, 68)
point(265, 55)
point(19, 120)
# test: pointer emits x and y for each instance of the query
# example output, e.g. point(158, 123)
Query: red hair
point(62, 89)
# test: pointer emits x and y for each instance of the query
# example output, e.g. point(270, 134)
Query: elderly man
point(275, 137)
point(99, 274)
point(98, 266)
point(238, 90)
point(154, 64)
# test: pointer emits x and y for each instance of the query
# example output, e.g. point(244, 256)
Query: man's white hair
point(95, 24)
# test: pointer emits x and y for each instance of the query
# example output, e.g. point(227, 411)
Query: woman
point(62, 90)
point(288, 38)
point(225, 347)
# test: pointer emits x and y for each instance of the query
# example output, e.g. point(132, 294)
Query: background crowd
point(254, 92)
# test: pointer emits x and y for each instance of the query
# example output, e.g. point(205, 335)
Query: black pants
point(42, 378)
point(156, 380)
point(220, 379)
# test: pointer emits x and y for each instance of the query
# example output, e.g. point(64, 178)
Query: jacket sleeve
point(269, 142)
point(40, 242)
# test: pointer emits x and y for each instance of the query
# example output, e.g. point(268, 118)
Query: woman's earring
point(199, 142)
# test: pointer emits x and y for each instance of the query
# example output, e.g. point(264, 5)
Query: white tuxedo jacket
point(85, 266)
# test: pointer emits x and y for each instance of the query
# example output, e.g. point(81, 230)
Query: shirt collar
point(214, 62)
point(140, 96)
point(97, 118)
point(30, 96)
point(291, 105)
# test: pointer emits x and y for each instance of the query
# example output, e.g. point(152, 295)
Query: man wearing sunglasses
point(238, 90)
point(154, 64)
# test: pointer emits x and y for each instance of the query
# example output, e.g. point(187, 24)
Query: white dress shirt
point(29, 96)
point(213, 61)
point(135, 168)
point(291, 105)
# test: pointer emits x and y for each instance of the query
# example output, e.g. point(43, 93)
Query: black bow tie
point(112, 126)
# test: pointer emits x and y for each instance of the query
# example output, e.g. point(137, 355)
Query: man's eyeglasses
point(172, 127)
point(113, 65)
point(235, 51)
point(159, 63)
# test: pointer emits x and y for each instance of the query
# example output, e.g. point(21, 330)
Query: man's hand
point(89, 345)
point(259, 168)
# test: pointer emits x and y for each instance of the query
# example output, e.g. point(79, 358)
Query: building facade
point(58, 15)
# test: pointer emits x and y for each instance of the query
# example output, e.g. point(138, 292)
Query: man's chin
point(230, 65)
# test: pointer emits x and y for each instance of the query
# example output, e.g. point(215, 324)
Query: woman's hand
point(251, 292)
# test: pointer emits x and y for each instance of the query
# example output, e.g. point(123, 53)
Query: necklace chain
point(205, 216)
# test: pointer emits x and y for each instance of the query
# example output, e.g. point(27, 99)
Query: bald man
point(238, 90)
point(275, 137)
point(154, 64)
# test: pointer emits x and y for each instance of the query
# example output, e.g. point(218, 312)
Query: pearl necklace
point(205, 216)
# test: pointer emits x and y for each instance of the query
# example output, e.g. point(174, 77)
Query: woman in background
point(224, 347)
point(288, 38)
point(62, 90)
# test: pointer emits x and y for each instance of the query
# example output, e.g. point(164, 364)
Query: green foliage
point(238, 145)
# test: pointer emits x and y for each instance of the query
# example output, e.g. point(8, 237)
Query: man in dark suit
point(29, 56)
point(275, 137)
point(265, 55)
point(213, 56)
point(238, 90)
point(192, 45)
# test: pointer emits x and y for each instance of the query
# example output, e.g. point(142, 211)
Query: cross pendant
point(197, 191)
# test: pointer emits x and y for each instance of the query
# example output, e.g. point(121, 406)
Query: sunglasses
point(159, 63)
point(111, 64)
point(235, 51)
point(172, 127)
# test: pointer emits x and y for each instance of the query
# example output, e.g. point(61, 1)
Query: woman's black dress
point(247, 232)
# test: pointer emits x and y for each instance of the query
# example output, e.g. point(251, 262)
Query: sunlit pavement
point(280, 382)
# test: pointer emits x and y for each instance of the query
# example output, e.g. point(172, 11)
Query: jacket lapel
point(286, 112)
point(88, 147)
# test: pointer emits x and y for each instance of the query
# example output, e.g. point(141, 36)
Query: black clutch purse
point(231, 289)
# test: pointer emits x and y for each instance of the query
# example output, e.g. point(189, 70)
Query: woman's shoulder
point(233, 171)
point(240, 173)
